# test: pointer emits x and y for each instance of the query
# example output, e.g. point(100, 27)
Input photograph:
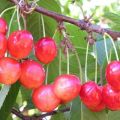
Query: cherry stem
point(24, 21)
point(43, 26)
point(116, 53)
point(79, 64)
point(10, 23)
point(86, 61)
point(4, 11)
point(110, 54)
point(60, 58)
point(95, 64)
point(68, 61)
point(46, 80)
point(106, 51)
point(18, 18)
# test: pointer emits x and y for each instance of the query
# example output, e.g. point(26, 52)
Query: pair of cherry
point(96, 98)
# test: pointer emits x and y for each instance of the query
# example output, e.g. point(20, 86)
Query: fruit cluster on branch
point(82, 24)
point(66, 87)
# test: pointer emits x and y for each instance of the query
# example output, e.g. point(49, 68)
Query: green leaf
point(76, 110)
point(3, 93)
point(113, 115)
point(34, 22)
point(89, 115)
point(115, 20)
point(4, 4)
point(9, 101)
point(100, 46)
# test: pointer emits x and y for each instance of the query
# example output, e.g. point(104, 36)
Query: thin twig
point(37, 117)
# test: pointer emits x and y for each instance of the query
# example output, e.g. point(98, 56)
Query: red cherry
point(113, 74)
point(45, 99)
point(67, 87)
point(20, 44)
point(111, 98)
point(3, 45)
point(46, 50)
point(10, 70)
point(91, 94)
point(33, 74)
point(99, 107)
point(3, 26)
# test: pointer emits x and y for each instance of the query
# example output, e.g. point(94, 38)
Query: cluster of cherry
point(65, 88)
point(31, 74)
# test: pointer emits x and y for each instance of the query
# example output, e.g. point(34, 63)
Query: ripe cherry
point(99, 107)
point(90, 94)
point(46, 50)
point(3, 45)
point(3, 26)
point(10, 71)
point(111, 98)
point(32, 75)
point(113, 74)
point(45, 99)
point(20, 44)
point(67, 87)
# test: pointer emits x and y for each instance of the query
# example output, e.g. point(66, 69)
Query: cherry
point(111, 98)
point(20, 44)
point(113, 74)
point(3, 45)
point(67, 87)
point(46, 50)
point(99, 107)
point(33, 74)
point(10, 70)
point(45, 99)
point(3, 26)
point(91, 94)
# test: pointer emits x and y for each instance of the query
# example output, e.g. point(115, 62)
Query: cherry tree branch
point(37, 117)
point(82, 24)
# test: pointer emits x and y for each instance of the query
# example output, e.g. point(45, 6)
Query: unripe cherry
point(32, 74)
point(3, 45)
point(10, 71)
point(90, 94)
point(67, 87)
point(3, 26)
point(45, 99)
point(113, 74)
point(20, 44)
point(46, 50)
